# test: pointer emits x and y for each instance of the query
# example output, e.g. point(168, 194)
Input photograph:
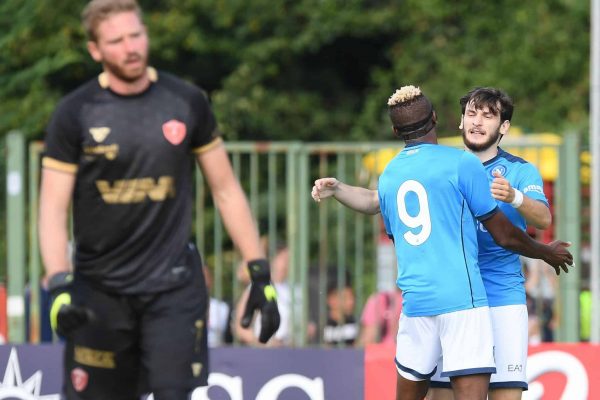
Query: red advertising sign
point(554, 372)
point(563, 371)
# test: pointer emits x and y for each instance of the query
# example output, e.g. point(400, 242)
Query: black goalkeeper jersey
point(133, 157)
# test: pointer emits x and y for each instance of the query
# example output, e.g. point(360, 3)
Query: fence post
point(569, 229)
point(15, 231)
point(35, 266)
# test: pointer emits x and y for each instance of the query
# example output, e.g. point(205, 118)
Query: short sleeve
point(205, 135)
point(62, 141)
point(531, 183)
point(386, 222)
point(475, 187)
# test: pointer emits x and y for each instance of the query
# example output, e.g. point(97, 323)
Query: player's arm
point(55, 197)
point(507, 235)
point(535, 212)
point(231, 201)
point(472, 182)
point(233, 206)
point(356, 198)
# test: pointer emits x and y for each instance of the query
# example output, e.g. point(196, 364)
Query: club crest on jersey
point(174, 131)
point(79, 379)
point(501, 169)
point(99, 133)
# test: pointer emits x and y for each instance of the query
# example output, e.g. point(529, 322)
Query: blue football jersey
point(430, 197)
point(500, 268)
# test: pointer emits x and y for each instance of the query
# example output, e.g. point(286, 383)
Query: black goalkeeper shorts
point(138, 343)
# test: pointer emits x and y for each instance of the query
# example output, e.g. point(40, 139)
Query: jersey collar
point(104, 83)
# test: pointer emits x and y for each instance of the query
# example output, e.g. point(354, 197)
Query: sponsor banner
point(554, 372)
point(31, 372)
point(380, 372)
point(563, 371)
point(279, 374)
point(34, 372)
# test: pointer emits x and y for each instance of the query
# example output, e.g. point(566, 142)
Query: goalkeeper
point(121, 149)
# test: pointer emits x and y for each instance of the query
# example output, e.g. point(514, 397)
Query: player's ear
point(505, 127)
point(92, 48)
point(462, 121)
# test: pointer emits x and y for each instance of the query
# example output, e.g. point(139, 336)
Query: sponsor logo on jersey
point(174, 131)
point(501, 169)
point(94, 358)
point(126, 191)
point(79, 379)
point(533, 188)
point(109, 151)
point(99, 133)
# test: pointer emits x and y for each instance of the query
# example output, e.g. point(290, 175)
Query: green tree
point(317, 69)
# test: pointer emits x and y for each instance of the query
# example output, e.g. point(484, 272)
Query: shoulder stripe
point(489, 215)
point(510, 157)
point(215, 142)
point(61, 166)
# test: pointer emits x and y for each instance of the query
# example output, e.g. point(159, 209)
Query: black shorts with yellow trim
point(138, 343)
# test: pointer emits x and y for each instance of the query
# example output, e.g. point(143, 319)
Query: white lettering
point(272, 389)
point(231, 384)
point(533, 188)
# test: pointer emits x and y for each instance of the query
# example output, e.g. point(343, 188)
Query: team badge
point(79, 379)
point(501, 169)
point(174, 131)
point(99, 133)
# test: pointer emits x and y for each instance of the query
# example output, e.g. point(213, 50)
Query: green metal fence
point(326, 241)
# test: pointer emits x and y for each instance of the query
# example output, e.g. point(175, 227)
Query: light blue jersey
point(429, 197)
point(501, 268)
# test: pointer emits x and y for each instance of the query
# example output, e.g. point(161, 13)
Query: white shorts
point(464, 339)
point(509, 324)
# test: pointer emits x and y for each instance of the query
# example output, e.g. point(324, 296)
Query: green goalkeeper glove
point(263, 298)
point(64, 316)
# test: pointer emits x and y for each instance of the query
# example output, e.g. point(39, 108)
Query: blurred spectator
point(541, 284)
point(535, 336)
point(219, 316)
point(380, 316)
point(279, 274)
point(341, 327)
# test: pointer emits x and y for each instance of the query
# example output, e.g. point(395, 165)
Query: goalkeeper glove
point(64, 316)
point(263, 297)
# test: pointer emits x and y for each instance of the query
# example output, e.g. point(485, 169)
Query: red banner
point(554, 372)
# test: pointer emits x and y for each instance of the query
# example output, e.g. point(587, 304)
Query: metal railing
point(326, 241)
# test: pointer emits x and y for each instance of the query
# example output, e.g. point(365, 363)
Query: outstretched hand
point(560, 257)
point(324, 188)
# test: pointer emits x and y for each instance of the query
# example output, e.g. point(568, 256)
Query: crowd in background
point(347, 324)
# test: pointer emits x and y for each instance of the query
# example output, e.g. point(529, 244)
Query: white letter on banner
point(231, 384)
point(557, 361)
point(273, 388)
